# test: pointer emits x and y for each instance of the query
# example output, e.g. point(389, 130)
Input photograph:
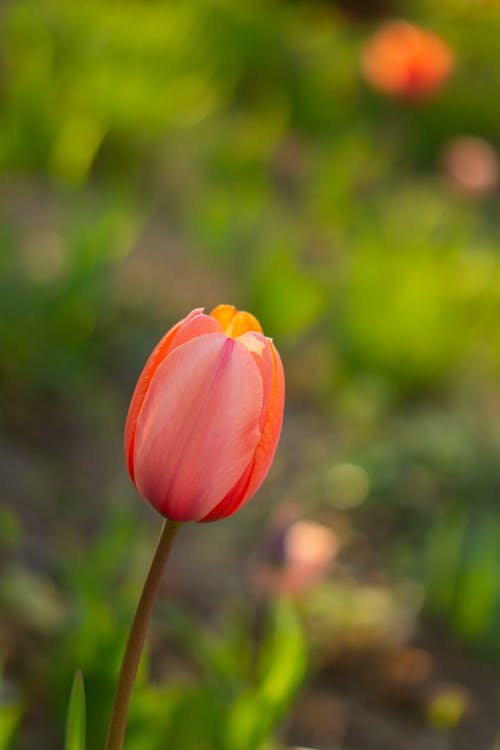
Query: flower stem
point(130, 663)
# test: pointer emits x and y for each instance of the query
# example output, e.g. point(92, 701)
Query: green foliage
point(287, 298)
point(437, 474)
point(280, 671)
point(103, 587)
point(241, 692)
point(9, 720)
point(64, 271)
point(76, 718)
point(11, 713)
point(242, 688)
point(268, 154)
point(58, 106)
point(462, 557)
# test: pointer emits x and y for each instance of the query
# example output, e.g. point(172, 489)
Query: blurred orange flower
point(406, 61)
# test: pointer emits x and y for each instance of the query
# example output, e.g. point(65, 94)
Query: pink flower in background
point(206, 415)
point(406, 61)
point(471, 165)
point(296, 554)
point(310, 548)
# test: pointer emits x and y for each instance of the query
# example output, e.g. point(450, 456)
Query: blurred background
point(332, 167)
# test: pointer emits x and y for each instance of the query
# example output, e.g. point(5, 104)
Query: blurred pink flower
point(471, 165)
point(310, 549)
point(297, 554)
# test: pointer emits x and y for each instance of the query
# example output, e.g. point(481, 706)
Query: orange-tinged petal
point(224, 314)
point(235, 322)
point(198, 427)
point(243, 322)
point(257, 469)
point(234, 498)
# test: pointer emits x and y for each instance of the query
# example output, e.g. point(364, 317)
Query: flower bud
point(206, 415)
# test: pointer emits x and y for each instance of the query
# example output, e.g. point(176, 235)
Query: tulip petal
point(235, 322)
point(198, 325)
point(198, 427)
point(155, 359)
point(259, 347)
point(224, 314)
point(194, 324)
point(258, 467)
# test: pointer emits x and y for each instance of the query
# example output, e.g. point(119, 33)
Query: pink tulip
point(205, 417)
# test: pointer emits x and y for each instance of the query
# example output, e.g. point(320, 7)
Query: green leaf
point(76, 719)
point(9, 720)
point(284, 656)
point(281, 667)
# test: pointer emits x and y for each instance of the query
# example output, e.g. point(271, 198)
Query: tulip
point(200, 437)
point(206, 415)
point(404, 60)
